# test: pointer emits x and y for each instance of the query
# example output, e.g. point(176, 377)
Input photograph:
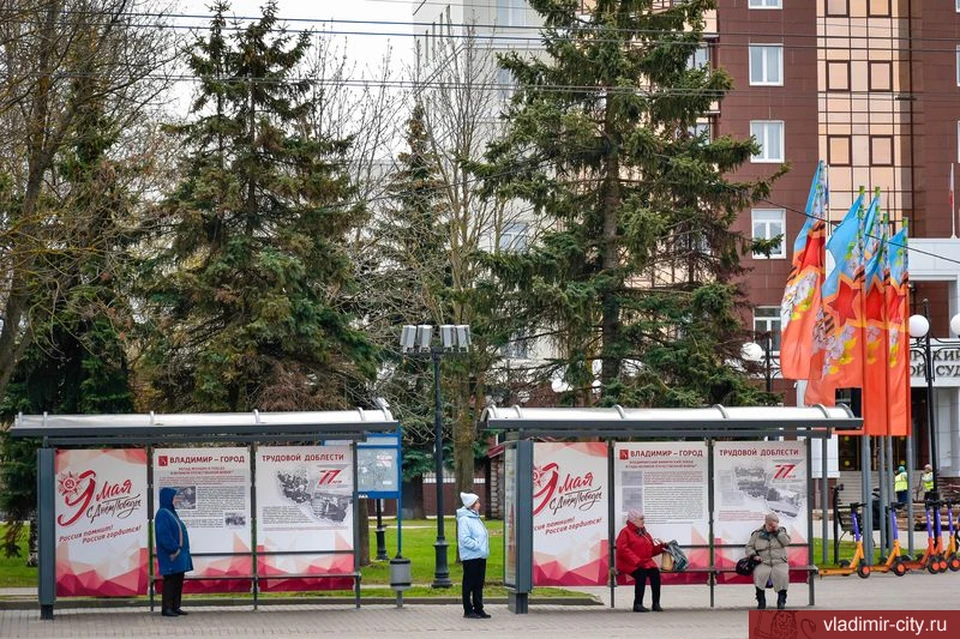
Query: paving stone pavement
point(687, 615)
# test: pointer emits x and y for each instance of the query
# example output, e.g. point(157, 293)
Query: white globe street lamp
point(752, 352)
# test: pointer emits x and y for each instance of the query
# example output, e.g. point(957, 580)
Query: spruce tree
point(638, 268)
point(249, 303)
point(407, 277)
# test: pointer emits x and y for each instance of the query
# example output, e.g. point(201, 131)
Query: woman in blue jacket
point(173, 552)
point(474, 546)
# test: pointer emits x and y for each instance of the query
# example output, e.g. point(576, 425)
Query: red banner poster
point(101, 523)
point(570, 546)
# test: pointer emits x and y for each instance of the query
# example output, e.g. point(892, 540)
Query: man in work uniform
point(900, 485)
point(926, 482)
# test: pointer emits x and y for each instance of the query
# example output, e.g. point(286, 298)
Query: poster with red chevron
point(213, 500)
point(752, 479)
point(570, 492)
point(101, 522)
point(304, 517)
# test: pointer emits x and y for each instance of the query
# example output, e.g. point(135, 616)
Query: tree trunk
point(464, 437)
point(413, 499)
point(610, 321)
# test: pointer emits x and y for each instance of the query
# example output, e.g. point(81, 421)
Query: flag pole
point(865, 459)
point(953, 207)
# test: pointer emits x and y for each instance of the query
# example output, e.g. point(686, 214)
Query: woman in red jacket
point(635, 552)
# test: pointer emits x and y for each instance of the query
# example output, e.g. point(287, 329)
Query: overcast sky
point(365, 49)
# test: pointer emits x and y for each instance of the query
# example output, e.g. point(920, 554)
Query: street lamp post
point(753, 352)
point(920, 331)
point(418, 340)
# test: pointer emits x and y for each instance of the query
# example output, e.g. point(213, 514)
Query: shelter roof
point(146, 428)
point(715, 421)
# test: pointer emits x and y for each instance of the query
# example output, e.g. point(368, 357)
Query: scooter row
point(939, 555)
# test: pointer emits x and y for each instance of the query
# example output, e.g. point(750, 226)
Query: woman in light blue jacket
point(474, 546)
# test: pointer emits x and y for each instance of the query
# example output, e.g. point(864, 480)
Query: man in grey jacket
point(768, 548)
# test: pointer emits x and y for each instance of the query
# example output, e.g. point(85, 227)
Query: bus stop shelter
point(139, 436)
point(647, 456)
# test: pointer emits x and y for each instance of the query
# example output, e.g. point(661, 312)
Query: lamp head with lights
point(454, 338)
point(919, 326)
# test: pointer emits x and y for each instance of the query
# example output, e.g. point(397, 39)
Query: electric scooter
point(941, 561)
point(855, 565)
point(895, 562)
point(928, 560)
point(950, 554)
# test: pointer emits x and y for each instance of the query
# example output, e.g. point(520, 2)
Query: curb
point(76, 604)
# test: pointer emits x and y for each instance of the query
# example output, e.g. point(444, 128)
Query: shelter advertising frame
point(148, 431)
point(708, 425)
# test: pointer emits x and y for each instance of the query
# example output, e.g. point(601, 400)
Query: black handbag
point(745, 566)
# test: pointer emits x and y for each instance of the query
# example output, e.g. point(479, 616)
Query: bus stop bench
point(354, 576)
point(716, 575)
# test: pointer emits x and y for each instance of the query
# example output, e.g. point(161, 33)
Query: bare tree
point(457, 80)
point(62, 60)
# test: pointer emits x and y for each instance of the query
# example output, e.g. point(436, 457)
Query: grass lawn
point(418, 539)
point(847, 548)
point(14, 572)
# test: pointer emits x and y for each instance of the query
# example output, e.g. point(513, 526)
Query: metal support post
point(46, 541)
point(910, 501)
point(441, 576)
point(824, 489)
point(381, 533)
point(867, 497)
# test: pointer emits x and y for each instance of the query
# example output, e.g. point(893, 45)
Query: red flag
point(801, 296)
point(876, 276)
point(837, 359)
point(898, 313)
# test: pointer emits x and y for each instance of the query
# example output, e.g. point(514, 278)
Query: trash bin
point(400, 577)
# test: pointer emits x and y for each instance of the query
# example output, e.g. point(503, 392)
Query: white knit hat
point(469, 499)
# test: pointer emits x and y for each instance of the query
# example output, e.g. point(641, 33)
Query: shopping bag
point(678, 559)
point(666, 561)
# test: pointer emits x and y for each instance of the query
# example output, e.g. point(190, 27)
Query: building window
point(511, 13)
point(839, 150)
point(766, 64)
point(769, 135)
point(880, 76)
point(505, 84)
point(878, 8)
point(840, 8)
point(881, 150)
point(958, 66)
point(958, 132)
point(517, 348)
point(838, 75)
point(701, 130)
point(700, 58)
point(766, 319)
point(513, 238)
point(767, 225)
point(768, 4)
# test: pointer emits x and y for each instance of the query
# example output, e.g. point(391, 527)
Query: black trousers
point(640, 576)
point(172, 591)
point(474, 574)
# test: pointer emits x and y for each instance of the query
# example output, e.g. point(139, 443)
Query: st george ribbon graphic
point(101, 523)
point(570, 492)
